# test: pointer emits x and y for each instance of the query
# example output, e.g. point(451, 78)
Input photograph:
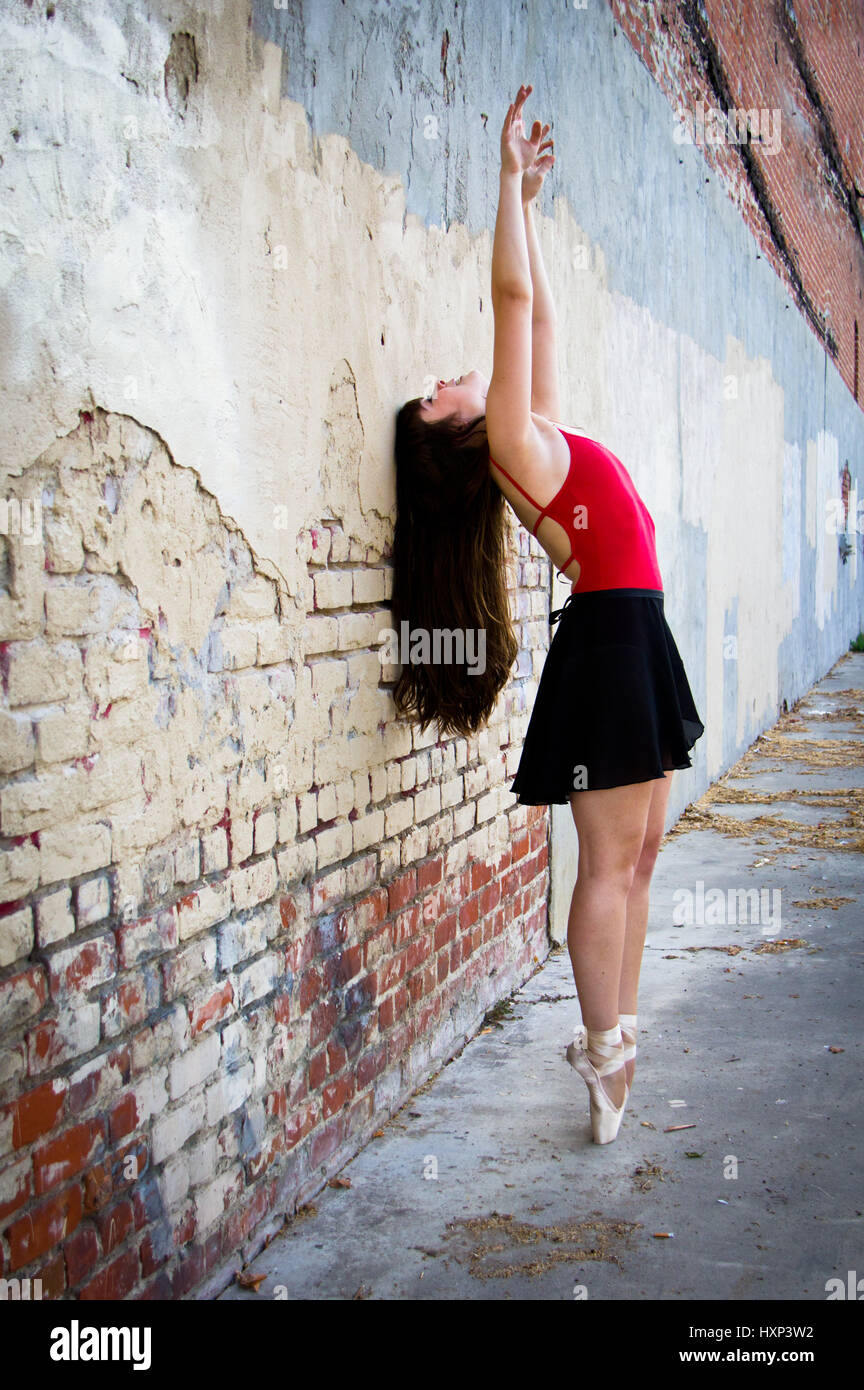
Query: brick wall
point(803, 203)
point(246, 912)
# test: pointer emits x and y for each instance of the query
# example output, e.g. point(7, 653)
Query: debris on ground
point(595, 1238)
point(646, 1174)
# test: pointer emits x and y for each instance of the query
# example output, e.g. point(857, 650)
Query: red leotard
point(615, 543)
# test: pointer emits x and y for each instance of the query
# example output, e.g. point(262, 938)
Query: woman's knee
point(615, 867)
point(647, 861)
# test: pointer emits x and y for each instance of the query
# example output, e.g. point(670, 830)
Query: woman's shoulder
point(557, 424)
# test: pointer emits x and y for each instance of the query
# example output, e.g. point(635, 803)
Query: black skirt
point(613, 706)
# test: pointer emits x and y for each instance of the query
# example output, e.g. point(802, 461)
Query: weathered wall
point(246, 910)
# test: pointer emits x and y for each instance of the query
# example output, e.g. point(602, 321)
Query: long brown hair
point(449, 556)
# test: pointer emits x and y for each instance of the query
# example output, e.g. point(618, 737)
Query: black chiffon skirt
point(613, 706)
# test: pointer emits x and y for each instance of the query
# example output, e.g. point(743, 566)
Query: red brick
point(43, 1227)
point(276, 1104)
point(114, 1282)
point(432, 907)
point(490, 898)
point(36, 1112)
point(63, 1157)
point(370, 1065)
point(406, 925)
point(23, 995)
point(22, 1193)
point(212, 1010)
point(430, 873)
point(445, 930)
point(510, 883)
point(114, 1225)
point(458, 889)
point(101, 1082)
point(300, 1123)
point(92, 963)
point(48, 1047)
point(243, 1219)
point(317, 1070)
point(310, 988)
point(133, 1001)
point(282, 1009)
point(213, 1250)
point(98, 1187)
point(81, 1252)
point(159, 1290)
point(322, 1022)
point(393, 970)
point(287, 911)
point(520, 846)
point(53, 1277)
point(480, 875)
point(359, 1114)
point(350, 963)
point(189, 1271)
point(373, 909)
point(401, 891)
point(325, 1141)
point(184, 1227)
point(468, 913)
point(124, 1117)
point(418, 951)
point(336, 1095)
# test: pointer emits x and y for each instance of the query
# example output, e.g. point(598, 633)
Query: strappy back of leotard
point(564, 517)
point(617, 551)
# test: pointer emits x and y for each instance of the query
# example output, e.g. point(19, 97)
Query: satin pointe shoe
point(628, 1033)
point(596, 1053)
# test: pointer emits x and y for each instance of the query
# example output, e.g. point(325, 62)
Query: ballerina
point(614, 714)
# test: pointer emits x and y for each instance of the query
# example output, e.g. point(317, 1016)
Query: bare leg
point(638, 903)
point(611, 825)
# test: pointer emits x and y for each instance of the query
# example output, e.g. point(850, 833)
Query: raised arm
point(509, 427)
point(545, 393)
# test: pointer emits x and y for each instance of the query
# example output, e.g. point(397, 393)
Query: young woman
point(614, 714)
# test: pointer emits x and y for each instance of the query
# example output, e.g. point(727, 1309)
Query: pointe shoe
point(605, 1045)
point(628, 1033)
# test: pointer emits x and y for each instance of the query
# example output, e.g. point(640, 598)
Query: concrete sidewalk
point(487, 1185)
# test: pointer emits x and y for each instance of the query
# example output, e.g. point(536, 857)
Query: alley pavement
point(736, 1172)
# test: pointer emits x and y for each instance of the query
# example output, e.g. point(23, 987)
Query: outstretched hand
point(532, 178)
point(519, 151)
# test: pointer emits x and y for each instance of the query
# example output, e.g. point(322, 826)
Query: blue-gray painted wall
point(671, 238)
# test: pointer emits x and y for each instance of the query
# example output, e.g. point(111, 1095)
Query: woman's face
point(463, 396)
